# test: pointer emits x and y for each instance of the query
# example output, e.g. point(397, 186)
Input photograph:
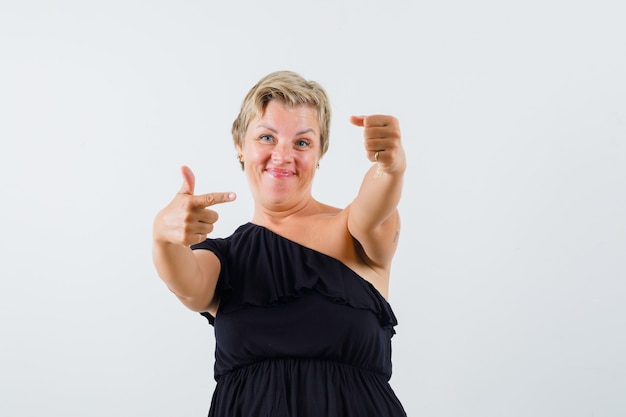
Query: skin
point(280, 151)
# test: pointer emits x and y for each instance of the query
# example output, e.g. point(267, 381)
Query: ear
point(239, 149)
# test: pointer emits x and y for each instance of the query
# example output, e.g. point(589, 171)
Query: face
point(281, 149)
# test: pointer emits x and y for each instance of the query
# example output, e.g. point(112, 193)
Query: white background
point(509, 284)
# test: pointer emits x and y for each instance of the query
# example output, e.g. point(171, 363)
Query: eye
point(302, 143)
point(266, 138)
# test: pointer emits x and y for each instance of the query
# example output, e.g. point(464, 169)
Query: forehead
point(280, 115)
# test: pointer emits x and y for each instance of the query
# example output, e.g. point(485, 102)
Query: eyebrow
point(308, 130)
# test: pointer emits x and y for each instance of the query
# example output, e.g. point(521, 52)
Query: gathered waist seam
point(302, 359)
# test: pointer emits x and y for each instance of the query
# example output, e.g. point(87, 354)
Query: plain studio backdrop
point(509, 283)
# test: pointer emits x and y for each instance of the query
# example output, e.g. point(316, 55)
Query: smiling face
point(281, 149)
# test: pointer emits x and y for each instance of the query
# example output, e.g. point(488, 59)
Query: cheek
point(256, 154)
point(310, 160)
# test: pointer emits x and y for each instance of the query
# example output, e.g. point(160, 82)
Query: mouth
point(280, 173)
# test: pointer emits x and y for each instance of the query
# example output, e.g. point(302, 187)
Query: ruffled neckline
point(321, 254)
point(262, 268)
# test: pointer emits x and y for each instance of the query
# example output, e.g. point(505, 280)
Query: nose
point(282, 154)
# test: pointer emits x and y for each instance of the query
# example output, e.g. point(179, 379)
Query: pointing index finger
point(206, 200)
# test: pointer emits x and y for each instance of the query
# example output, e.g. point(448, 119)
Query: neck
point(277, 215)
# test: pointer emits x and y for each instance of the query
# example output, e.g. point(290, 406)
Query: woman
point(297, 296)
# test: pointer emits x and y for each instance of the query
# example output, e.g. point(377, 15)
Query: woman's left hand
point(382, 141)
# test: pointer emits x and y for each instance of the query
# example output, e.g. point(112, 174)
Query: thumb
point(189, 181)
point(357, 120)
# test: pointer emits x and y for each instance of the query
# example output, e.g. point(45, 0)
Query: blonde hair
point(291, 89)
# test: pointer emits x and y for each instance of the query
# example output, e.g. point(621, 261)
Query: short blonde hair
point(291, 89)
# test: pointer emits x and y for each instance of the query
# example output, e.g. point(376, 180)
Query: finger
point(380, 120)
point(206, 200)
point(378, 132)
point(197, 233)
point(378, 144)
point(195, 238)
point(357, 120)
point(189, 181)
point(375, 121)
point(207, 216)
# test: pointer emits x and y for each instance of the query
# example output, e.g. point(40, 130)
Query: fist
point(381, 135)
point(187, 219)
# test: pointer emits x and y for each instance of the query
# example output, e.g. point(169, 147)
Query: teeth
point(279, 172)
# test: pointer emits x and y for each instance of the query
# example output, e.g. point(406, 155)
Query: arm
point(190, 275)
point(373, 218)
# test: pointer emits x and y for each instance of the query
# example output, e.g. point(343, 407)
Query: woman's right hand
point(187, 219)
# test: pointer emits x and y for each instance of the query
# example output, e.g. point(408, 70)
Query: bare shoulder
point(327, 232)
point(324, 230)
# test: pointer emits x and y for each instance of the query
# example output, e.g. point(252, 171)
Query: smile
point(280, 173)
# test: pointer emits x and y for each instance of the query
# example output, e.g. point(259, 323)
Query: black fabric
point(297, 333)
